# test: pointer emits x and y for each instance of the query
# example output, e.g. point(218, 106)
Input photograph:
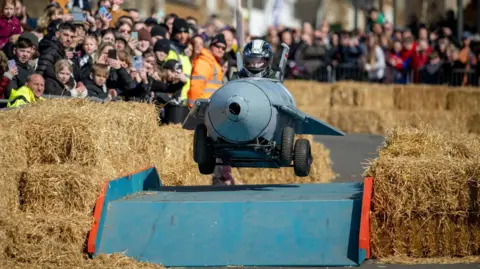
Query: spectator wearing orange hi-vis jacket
point(207, 72)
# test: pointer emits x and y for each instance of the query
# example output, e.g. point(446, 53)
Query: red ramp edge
point(97, 214)
point(364, 237)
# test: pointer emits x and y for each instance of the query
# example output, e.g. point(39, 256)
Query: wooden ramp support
point(261, 225)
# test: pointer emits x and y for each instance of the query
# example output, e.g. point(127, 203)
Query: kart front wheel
point(201, 150)
point(208, 167)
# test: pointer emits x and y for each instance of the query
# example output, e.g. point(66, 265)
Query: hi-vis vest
point(174, 54)
point(207, 77)
point(21, 97)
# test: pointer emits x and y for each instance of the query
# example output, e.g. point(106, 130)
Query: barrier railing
point(354, 72)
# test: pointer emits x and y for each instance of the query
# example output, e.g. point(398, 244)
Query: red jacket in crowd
point(8, 27)
point(4, 81)
point(420, 58)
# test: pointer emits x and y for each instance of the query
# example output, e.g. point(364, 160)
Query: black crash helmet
point(257, 58)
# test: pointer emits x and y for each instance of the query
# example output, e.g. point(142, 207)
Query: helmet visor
point(256, 63)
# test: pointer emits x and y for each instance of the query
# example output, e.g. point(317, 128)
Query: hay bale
point(411, 186)
point(424, 141)
point(308, 93)
point(45, 239)
point(12, 146)
point(86, 133)
point(62, 189)
point(9, 190)
point(424, 237)
point(465, 100)
point(420, 97)
point(360, 120)
point(321, 170)
point(357, 120)
point(366, 95)
point(375, 97)
point(426, 195)
point(447, 121)
point(473, 124)
point(344, 94)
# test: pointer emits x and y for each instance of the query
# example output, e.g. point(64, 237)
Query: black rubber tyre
point(302, 158)
point(286, 147)
point(200, 147)
point(208, 167)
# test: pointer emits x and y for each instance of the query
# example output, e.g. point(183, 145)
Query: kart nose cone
point(239, 111)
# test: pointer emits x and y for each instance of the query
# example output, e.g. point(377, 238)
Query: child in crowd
point(9, 24)
point(64, 84)
point(97, 83)
point(89, 48)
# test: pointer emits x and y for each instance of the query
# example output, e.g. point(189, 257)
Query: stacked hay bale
point(358, 107)
point(55, 156)
point(426, 201)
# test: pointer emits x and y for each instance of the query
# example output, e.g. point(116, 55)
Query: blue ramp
point(261, 225)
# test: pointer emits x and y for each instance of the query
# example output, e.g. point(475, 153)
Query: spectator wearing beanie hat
point(144, 39)
point(158, 32)
point(178, 43)
point(161, 49)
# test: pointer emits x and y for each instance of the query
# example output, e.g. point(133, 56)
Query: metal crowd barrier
point(344, 72)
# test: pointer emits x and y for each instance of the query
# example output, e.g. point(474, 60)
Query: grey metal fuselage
point(244, 110)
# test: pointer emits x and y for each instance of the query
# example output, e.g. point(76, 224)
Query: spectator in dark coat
point(432, 72)
point(58, 49)
point(119, 79)
point(64, 84)
point(23, 54)
point(96, 83)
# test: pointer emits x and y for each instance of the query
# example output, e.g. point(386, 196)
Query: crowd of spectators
point(384, 54)
point(110, 53)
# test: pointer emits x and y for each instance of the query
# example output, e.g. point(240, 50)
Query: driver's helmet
point(257, 58)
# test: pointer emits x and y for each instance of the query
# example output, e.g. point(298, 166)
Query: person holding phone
point(9, 70)
point(60, 48)
point(23, 54)
point(168, 86)
point(119, 78)
point(141, 81)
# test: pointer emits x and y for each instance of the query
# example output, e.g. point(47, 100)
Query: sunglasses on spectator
point(220, 47)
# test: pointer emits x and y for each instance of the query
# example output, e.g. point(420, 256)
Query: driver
point(257, 59)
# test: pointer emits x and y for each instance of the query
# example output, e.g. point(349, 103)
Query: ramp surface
point(266, 225)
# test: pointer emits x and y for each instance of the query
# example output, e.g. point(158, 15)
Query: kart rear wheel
point(286, 147)
point(208, 167)
point(302, 158)
point(200, 146)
